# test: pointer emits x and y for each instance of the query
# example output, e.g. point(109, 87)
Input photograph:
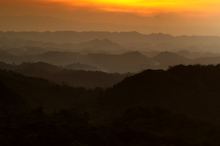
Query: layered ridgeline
point(179, 106)
point(40, 93)
point(66, 75)
point(120, 52)
point(132, 61)
point(120, 63)
point(112, 41)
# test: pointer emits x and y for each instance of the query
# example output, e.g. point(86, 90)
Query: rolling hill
point(60, 75)
point(192, 90)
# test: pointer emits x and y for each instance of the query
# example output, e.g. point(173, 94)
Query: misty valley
point(109, 89)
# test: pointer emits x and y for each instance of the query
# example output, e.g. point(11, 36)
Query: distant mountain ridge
point(99, 46)
point(130, 40)
point(60, 75)
point(167, 59)
point(132, 61)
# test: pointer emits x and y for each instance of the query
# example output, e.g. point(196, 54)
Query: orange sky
point(168, 16)
point(147, 6)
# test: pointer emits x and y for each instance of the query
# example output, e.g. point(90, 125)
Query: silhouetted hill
point(99, 46)
point(54, 57)
point(127, 62)
point(27, 46)
point(59, 75)
point(131, 61)
point(128, 40)
point(10, 102)
point(79, 66)
point(156, 126)
point(122, 63)
point(166, 59)
point(208, 60)
point(42, 93)
point(73, 36)
point(151, 108)
point(7, 57)
point(192, 90)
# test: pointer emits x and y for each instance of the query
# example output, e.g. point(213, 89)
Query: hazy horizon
point(176, 17)
point(109, 72)
point(109, 31)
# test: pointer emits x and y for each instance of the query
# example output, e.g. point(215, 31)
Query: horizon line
point(106, 31)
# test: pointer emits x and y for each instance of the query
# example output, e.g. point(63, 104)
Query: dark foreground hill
point(192, 90)
point(178, 107)
point(38, 92)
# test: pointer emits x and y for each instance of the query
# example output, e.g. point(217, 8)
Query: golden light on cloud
point(168, 16)
point(146, 6)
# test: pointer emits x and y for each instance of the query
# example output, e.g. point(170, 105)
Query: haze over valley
point(113, 52)
point(109, 73)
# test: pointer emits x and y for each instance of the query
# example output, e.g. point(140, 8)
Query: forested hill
point(40, 93)
point(60, 75)
point(193, 90)
point(178, 107)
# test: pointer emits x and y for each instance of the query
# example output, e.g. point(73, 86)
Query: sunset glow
point(147, 6)
point(168, 16)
